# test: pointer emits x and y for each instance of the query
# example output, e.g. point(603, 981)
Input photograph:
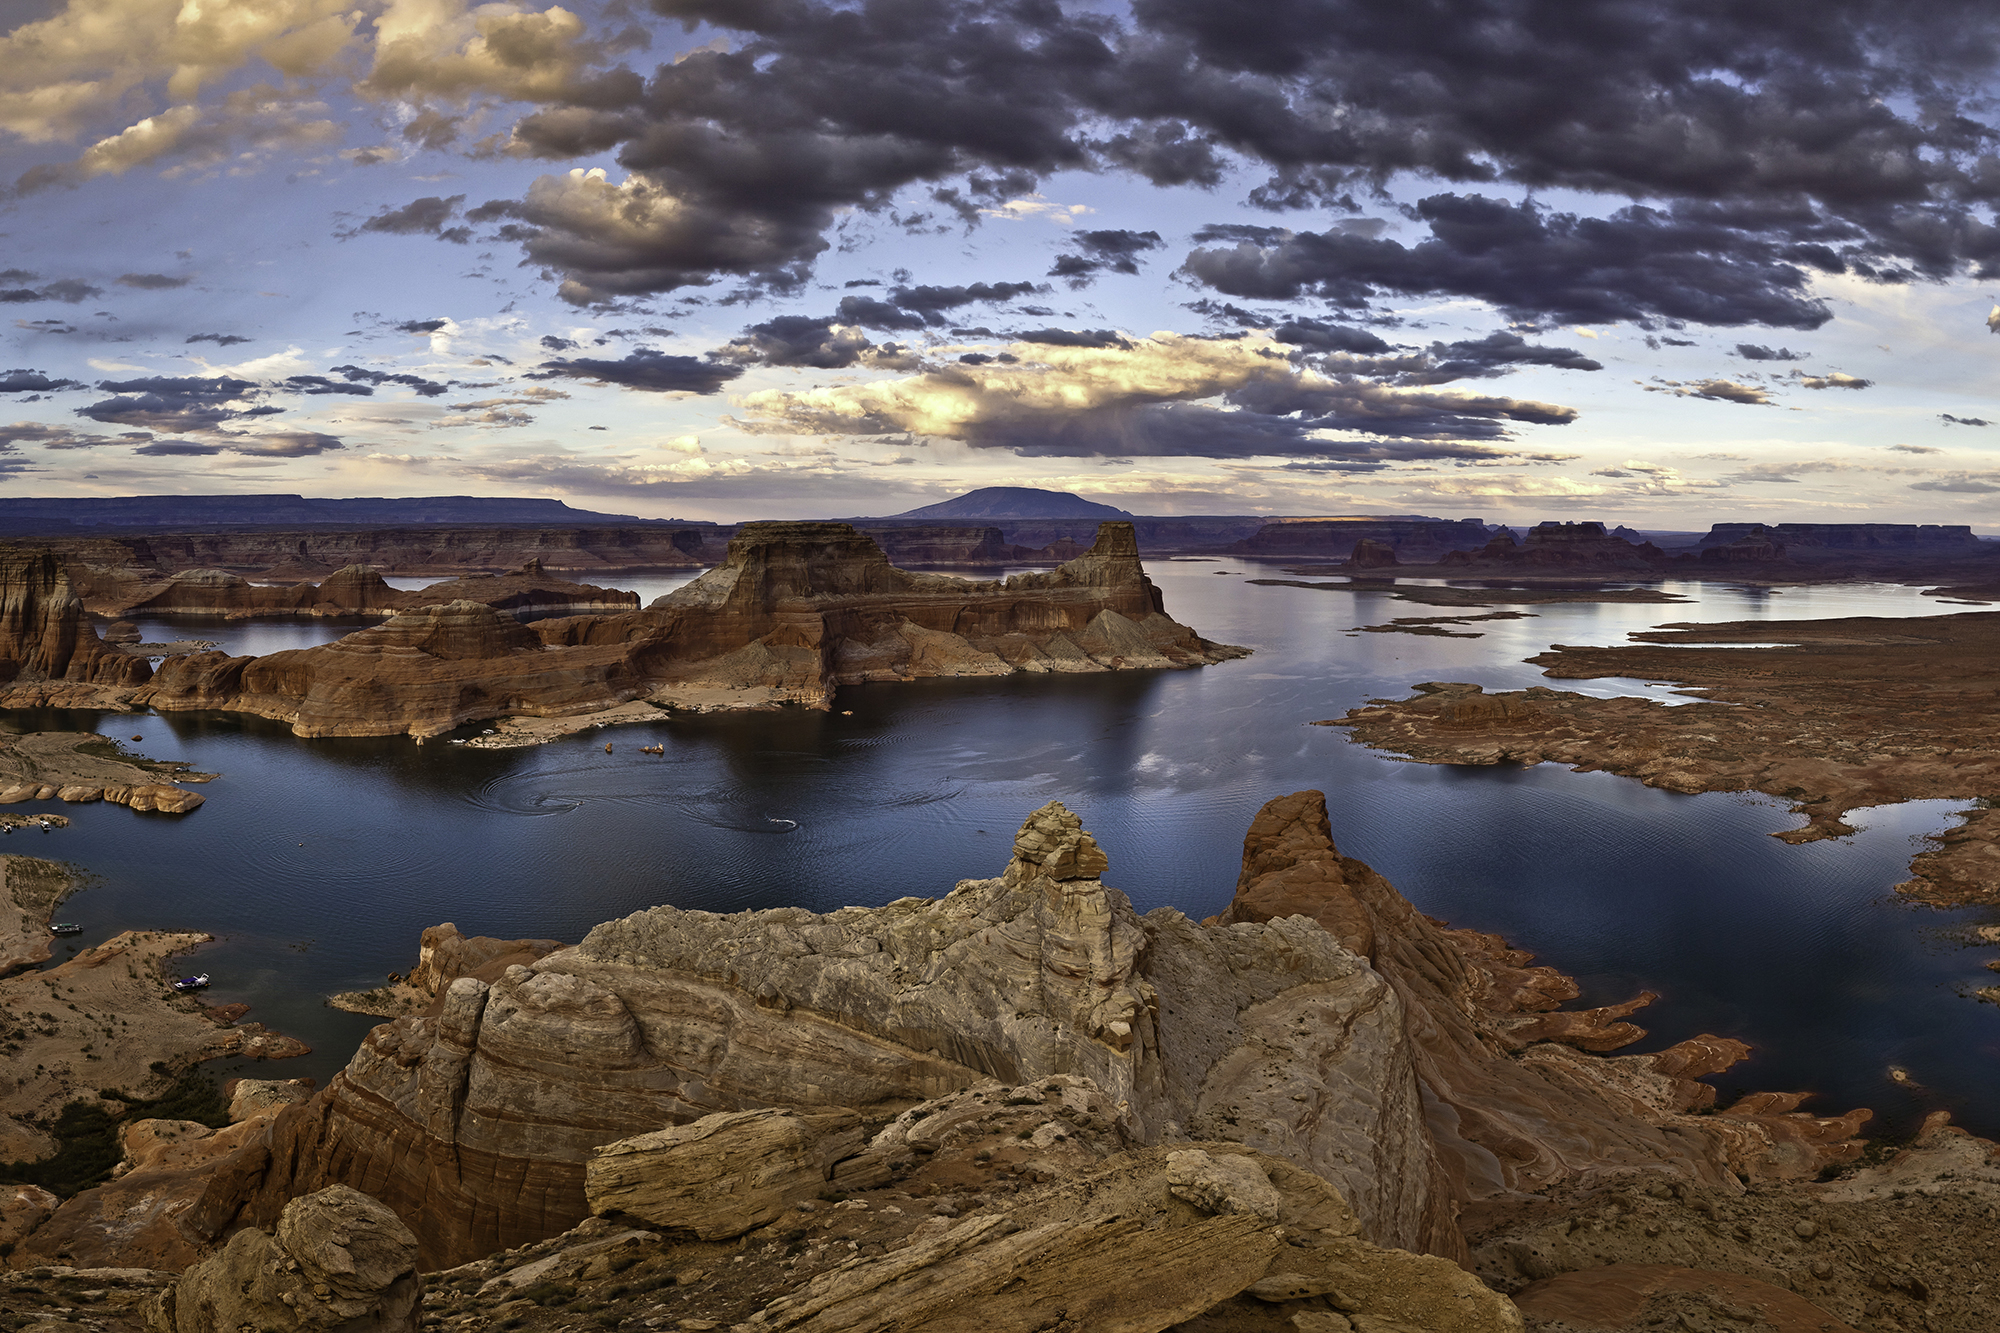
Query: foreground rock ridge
point(1321, 1021)
point(795, 611)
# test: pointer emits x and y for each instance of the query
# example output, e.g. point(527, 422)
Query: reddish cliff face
point(44, 635)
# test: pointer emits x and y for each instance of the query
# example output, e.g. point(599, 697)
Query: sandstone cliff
point(796, 610)
point(356, 590)
point(1321, 1020)
point(47, 645)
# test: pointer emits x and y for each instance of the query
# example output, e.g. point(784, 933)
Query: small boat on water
point(65, 928)
point(190, 983)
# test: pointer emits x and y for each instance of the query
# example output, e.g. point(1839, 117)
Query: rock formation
point(357, 590)
point(1414, 540)
point(47, 646)
point(443, 956)
point(1957, 538)
point(1840, 715)
point(797, 609)
point(338, 1261)
point(1562, 546)
point(1372, 554)
point(1321, 1020)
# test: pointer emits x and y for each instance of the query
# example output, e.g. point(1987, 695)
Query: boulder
point(339, 1260)
point(725, 1174)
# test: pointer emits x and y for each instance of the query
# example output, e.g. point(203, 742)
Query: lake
point(318, 863)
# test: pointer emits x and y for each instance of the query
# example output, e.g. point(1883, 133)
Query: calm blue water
point(317, 863)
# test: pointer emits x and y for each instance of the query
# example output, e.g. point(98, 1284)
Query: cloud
point(174, 403)
point(152, 282)
point(820, 344)
point(644, 368)
point(1947, 417)
point(1961, 483)
point(33, 381)
point(1715, 390)
point(50, 437)
point(425, 216)
point(1639, 264)
point(270, 444)
point(422, 325)
point(70, 290)
point(1110, 251)
point(424, 388)
point(248, 123)
point(219, 339)
point(320, 384)
point(1755, 352)
point(1833, 380)
point(1144, 397)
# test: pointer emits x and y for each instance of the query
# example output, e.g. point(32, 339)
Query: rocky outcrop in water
point(1562, 546)
point(357, 590)
point(796, 610)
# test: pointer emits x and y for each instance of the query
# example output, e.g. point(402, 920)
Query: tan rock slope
point(1322, 1020)
point(48, 650)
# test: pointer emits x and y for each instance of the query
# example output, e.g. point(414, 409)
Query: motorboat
point(190, 983)
point(65, 928)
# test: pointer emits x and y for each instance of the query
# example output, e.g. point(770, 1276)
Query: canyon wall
point(46, 641)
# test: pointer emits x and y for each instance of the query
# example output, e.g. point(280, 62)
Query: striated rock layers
point(1322, 1020)
point(797, 609)
point(354, 590)
point(47, 646)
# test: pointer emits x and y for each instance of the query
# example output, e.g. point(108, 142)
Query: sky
point(1662, 263)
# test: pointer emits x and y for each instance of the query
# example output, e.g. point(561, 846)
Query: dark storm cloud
point(1755, 352)
point(320, 384)
point(52, 437)
point(799, 340)
point(70, 290)
point(1113, 251)
point(922, 307)
point(152, 282)
point(1956, 421)
point(1324, 336)
point(164, 402)
point(421, 325)
point(425, 216)
point(358, 375)
point(1856, 118)
point(644, 368)
point(554, 344)
point(1073, 337)
point(1269, 426)
point(33, 381)
point(1642, 264)
point(176, 449)
point(219, 339)
point(1497, 353)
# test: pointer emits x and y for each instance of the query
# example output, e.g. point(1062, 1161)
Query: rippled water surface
point(317, 863)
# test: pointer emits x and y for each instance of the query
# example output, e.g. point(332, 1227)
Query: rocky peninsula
point(796, 610)
point(1832, 715)
point(81, 767)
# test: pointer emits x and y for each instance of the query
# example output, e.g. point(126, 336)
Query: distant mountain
point(996, 502)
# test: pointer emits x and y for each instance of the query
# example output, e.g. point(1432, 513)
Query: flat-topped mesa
point(46, 641)
point(1414, 539)
point(351, 591)
point(1879, 537)
point(1556, 545)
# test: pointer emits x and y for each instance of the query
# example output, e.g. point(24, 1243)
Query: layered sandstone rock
point(356, 590)
point(1521, 1107)
point(1322, 1020)
point(444, 955)
point(337, 1261)
point(1563, 546)
point(797, 609)
point(49, 652)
